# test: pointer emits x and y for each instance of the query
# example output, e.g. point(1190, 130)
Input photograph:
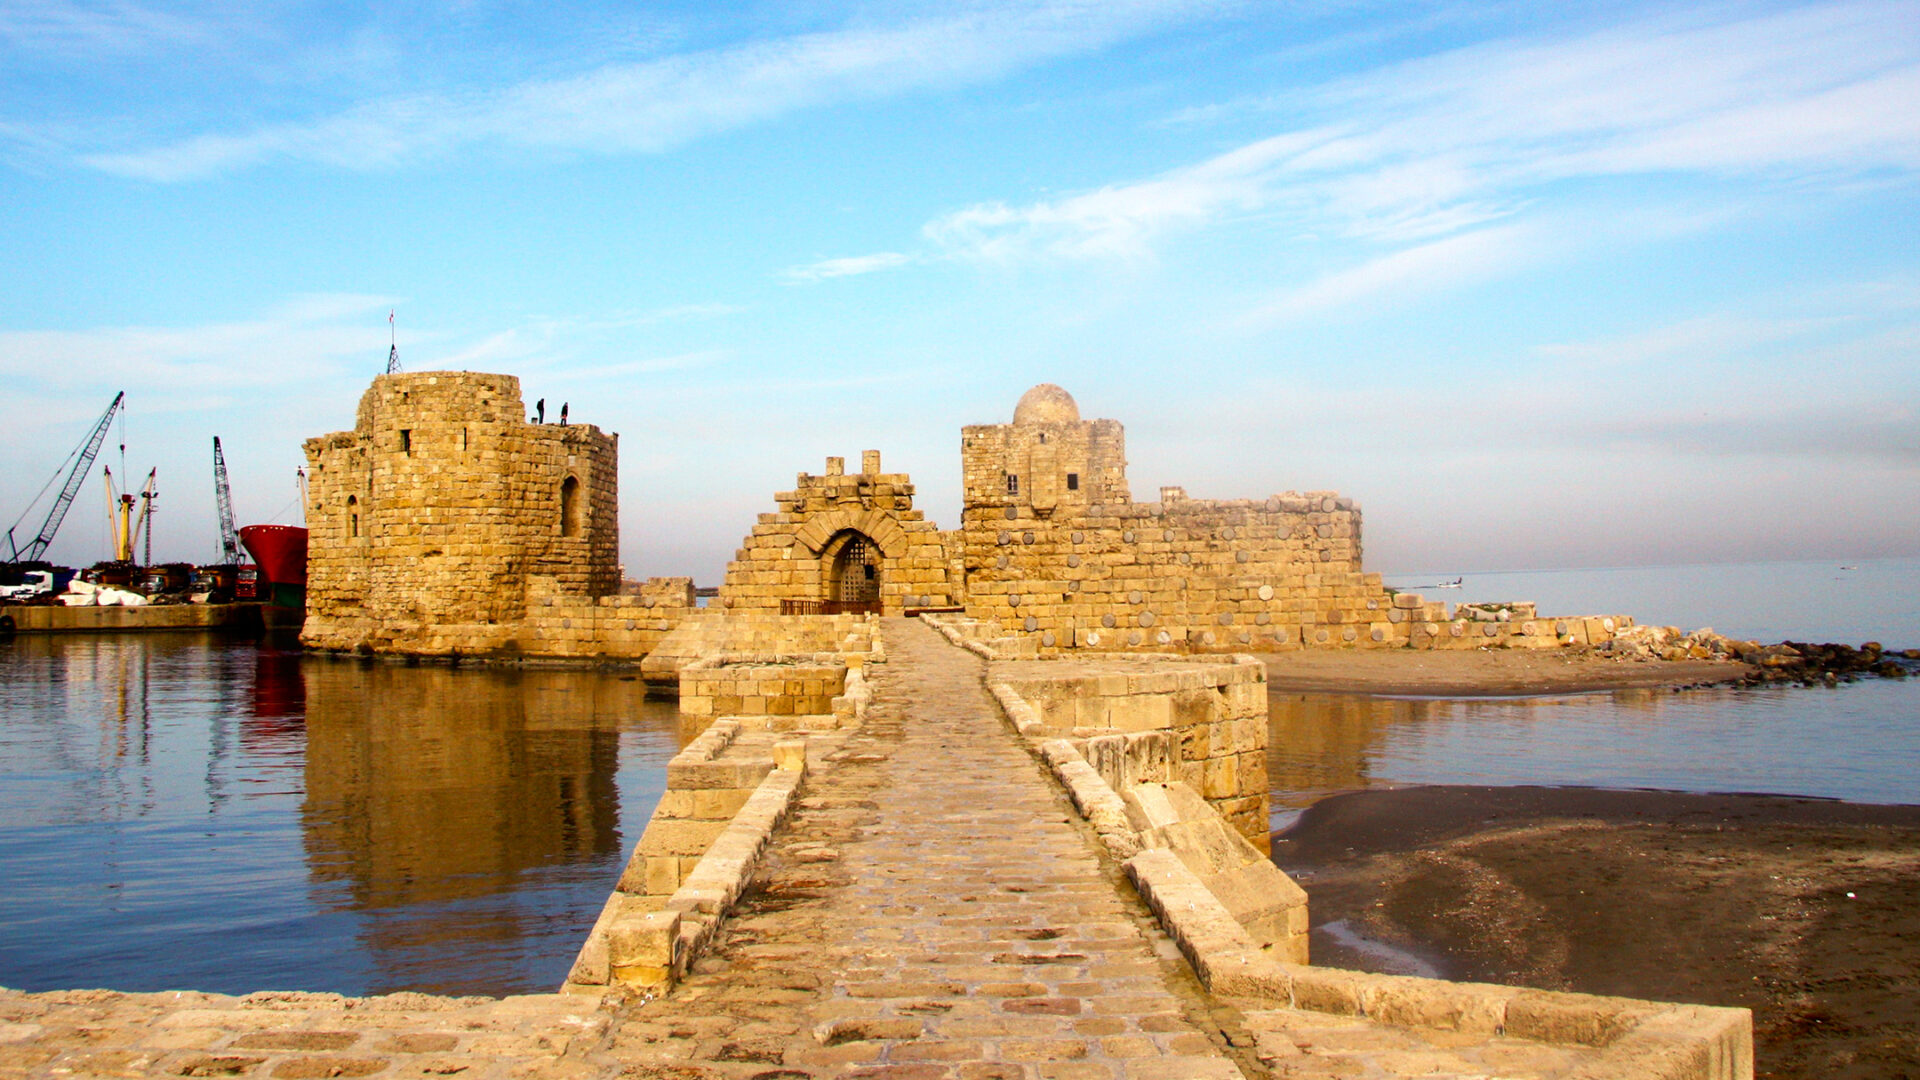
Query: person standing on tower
point(563, 412)
point(540, 411)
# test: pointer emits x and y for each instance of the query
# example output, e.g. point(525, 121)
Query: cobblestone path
point(932, 910)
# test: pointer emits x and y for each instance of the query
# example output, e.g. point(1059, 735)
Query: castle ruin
point(446, 523)
point(439, 515)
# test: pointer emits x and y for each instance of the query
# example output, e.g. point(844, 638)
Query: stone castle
point(446, 523)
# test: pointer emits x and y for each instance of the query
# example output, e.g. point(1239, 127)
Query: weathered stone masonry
point(431, 519)
point(845, 541)
point(1053, 545)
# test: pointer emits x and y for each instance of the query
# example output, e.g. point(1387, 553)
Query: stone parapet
point(1602, 1036)
point(1127, 784)
point(1140, 718)
point(770, 685)
point(711, 632)
point(727, 792)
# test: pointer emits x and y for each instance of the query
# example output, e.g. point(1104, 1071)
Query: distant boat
point(1454, 584)
point(1849, 568)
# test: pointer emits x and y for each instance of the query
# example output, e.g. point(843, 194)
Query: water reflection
point(188, 811)
point(1852, 742)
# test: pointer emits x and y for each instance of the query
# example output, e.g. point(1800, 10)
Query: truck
point(33, 584)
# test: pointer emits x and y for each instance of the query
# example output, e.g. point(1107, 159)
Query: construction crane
point(223, 497)
point(86, 451)
point(127, 529)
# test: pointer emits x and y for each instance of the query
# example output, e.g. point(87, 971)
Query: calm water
point(196, 812)
point(1858, 741)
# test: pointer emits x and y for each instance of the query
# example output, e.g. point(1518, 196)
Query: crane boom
point(38, 546)
point(223, 496)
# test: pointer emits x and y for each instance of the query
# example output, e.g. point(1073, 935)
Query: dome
point(1046, 404)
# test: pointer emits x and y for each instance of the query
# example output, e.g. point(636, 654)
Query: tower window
point(1013, 484)
point(570, 507)
point(1073, 481)
point(406, 440)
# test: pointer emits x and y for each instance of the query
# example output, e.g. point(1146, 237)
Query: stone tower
point(1047, 462)
point(428, 520)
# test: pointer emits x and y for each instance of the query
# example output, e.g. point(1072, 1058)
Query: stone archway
point(842, 542)
point(852, 562)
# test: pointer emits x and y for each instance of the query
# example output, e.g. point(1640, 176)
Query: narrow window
point(463, 439)
point(406, 440)
point(1073, 481)
point(570, 507)
point(353, 516)
point(1013, 484)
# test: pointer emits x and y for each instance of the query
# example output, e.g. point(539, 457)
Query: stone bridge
point(926, 857)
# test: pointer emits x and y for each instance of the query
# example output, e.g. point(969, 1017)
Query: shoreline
point(1802, 909)
point(1483, 672)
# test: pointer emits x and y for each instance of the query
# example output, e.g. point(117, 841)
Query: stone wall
point(435, 522)
point(1052, 547)
point(1211, 716)
point(711, 633)
point(762, 686)
point(852, 540)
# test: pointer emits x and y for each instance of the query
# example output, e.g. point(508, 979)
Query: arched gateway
point(842, 542)
point(853, 576)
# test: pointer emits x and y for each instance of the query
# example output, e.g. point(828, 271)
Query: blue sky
point(1538, 285)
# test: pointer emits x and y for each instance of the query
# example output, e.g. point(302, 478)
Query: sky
point(1539, 286)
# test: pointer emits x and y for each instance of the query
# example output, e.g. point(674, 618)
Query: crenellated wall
point(842, 541)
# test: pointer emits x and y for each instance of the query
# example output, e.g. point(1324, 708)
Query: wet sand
point(1482, 671)
point(1806, 911)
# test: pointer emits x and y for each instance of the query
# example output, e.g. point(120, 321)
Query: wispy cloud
point(1436, 146)
point(1451, 262)
point(1709, 337)
point(114, 27)
point(653, 105)
point(301, 338)
point(847, 267)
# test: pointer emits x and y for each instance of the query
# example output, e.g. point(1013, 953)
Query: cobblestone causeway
point(933, 909)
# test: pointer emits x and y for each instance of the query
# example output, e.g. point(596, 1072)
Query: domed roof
point(1046, 404)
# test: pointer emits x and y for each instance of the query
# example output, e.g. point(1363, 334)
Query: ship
point(280, 555)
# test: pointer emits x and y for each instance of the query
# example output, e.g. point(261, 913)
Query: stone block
point(687, 839)
point(717, 774)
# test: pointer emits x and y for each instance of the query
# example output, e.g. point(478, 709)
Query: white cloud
point(1709, 337)
point(300, 338)
point(1440, 264)
point(1426, 148)
point(847, 267)
point(657, 104)
point(62, 26)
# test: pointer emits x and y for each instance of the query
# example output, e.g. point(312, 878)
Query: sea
point(186, 811)
point(1858, 741)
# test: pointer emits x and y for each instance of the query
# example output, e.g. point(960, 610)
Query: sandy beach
point(1803, 910)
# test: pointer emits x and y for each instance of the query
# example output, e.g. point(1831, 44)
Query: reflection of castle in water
point(433, 784)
